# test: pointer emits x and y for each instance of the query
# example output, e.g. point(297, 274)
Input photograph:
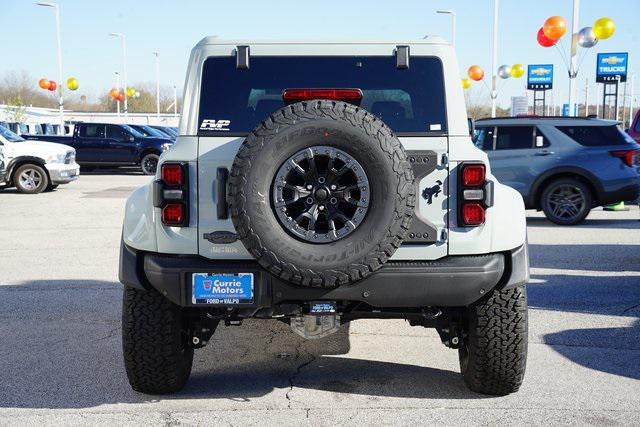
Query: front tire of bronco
point(154, 342)
point(494, 351)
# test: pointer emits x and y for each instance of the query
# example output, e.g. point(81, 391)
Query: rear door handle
point(544, 153)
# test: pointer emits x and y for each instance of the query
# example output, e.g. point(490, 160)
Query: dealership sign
point(612, 67)
point(540, 77)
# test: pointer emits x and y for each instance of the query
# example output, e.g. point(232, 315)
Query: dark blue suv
point(562, 166)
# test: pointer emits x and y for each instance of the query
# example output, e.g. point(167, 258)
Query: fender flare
point(21, 160)
point(590, 178)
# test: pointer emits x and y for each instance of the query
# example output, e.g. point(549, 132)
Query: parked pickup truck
point(105, 144)
point(34, 166)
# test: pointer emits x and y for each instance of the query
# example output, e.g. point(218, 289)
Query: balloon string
point(583, 55)
point(563, 55)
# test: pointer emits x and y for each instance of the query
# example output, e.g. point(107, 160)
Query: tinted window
point(593, 136)
point(116, 132)
point(637, 126)
point(514, 137)
point(92, 131)
point(410, 100)
point(484, 138)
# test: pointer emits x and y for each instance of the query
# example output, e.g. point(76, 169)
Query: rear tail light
point(475, 194)
point(173, 213)
point(171, 194)
point(473, 175)
point(353, 96)
point(628, 157)
point(171, 174)
point(472, 214)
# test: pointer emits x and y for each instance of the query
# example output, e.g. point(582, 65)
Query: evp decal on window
point(215, 125)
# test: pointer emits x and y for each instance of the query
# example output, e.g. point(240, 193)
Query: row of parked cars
point(562, 166)
point(33, 163)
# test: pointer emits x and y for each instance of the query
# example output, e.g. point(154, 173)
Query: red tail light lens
point(173, 214)
point(472, 214)
point(628, 157)
point(473, 175)
point(296, 95)
point(172, 174)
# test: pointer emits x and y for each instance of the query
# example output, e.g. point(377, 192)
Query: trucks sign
point(540, 77)
point(611, 67)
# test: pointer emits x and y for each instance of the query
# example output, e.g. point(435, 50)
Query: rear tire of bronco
point(156, 355)
point(494, 351)
point(373, 206)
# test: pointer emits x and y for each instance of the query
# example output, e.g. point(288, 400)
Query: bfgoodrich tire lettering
point(156, 357)
point(494, 352)
point(332, 124)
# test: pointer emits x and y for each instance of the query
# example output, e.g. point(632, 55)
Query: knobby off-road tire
point(156, 357)
point(494, 352)
point(337, 125)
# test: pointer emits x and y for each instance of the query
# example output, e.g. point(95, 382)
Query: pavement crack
point(110, 334)
point(299, 369)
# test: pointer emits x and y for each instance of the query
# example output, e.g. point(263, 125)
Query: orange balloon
point(554, 27)
point(44, 83)
point(476, 73)
point(114, 93)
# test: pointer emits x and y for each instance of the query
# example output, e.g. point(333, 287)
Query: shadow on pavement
point(62, 349)
point(130, 170)
point(612, 222)
point(593, 257)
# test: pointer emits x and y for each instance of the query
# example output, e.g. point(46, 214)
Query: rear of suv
point(562, 166)
point(319, 183)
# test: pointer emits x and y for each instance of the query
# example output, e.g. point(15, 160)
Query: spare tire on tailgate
point(321, 193)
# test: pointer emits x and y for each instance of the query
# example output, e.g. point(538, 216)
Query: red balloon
point(120, 97)
point(545, 41)
point(52, 85)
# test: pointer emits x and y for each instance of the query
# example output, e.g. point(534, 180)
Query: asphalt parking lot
point(61, 362)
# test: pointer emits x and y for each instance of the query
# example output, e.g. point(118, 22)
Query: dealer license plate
point(222, 288)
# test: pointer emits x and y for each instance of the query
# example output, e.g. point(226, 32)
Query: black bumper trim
point(450, 281)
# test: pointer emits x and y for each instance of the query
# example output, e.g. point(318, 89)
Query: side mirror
point(130, 138)
point(539, 141)
point(472, 126)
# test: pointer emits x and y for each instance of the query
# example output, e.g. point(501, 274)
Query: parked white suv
point(318, 183)
point(35, 166)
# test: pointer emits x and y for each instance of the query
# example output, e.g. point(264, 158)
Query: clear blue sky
point(173, 27)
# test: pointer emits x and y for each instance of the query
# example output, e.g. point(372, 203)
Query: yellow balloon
point(604, 28)
point(517, 70)
point(131, 92)
point(73, 83)
point(466, 83)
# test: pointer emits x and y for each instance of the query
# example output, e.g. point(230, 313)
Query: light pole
point(453, 24)
point(117, 101)
point(573, 69)
point(157, 55)
point(494, 60)
point(124, 71)
point(175, 101)
point(633, 78)
point(56, 9)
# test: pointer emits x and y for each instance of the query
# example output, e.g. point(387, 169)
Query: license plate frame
point(222, 288)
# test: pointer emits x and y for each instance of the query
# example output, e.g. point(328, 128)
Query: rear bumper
point(449, 282)
point(626, 193)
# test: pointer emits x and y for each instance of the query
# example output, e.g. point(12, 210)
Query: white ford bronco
point(319, 183)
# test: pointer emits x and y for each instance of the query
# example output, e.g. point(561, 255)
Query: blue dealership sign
point(611, 67)
point(540, 77)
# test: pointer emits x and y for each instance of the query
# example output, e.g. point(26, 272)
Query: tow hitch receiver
point(320, 321)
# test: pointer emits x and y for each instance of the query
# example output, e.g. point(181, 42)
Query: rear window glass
point(92, 131)
point(593, 136)
point(514, 137)
point(410, 100)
